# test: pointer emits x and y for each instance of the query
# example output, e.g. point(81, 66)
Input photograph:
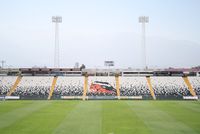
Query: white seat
point(133, 86)
point(6, 82)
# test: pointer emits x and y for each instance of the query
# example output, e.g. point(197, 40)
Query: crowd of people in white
point(73, 86)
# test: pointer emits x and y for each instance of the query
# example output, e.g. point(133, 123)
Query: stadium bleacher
point(134, 86)
point(68, 86)
point(195, 82)
point(38, 87)
point(6, 83)
point(169, 87)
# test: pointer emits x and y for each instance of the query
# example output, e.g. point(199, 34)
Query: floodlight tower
point(143, 20)
point(56, 20)
point(2, 63)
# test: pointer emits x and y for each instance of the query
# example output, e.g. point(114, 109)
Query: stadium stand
point(189, 86)
point(14, 85)
point(97, 87)
point(6, 82)
point(195, 82)
point(134, 86)
point(68, 86)
point(36, 87)
point(169, 87)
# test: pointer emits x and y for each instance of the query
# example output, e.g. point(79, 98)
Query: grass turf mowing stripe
point(7, 106)
point(118, 118)
point(44, 120)
point(85, 118)
point(100, 117)
point(158, 119)
point(184, 111)
point(191, 105)
point(8, 118)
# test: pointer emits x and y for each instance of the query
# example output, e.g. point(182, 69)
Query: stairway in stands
point(187, 82)
point(150, 87)
point(117, 86)
point(13, 88)
point(52, 87)
point(85, 87)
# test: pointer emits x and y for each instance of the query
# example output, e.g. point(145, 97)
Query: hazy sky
point(93, 31)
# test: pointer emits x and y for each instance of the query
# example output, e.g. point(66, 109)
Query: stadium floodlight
point(143, 20)
point(56, 20)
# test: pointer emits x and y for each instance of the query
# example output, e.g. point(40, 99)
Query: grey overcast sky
point(93, 31)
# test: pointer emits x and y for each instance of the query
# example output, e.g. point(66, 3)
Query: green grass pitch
point(100, 117)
